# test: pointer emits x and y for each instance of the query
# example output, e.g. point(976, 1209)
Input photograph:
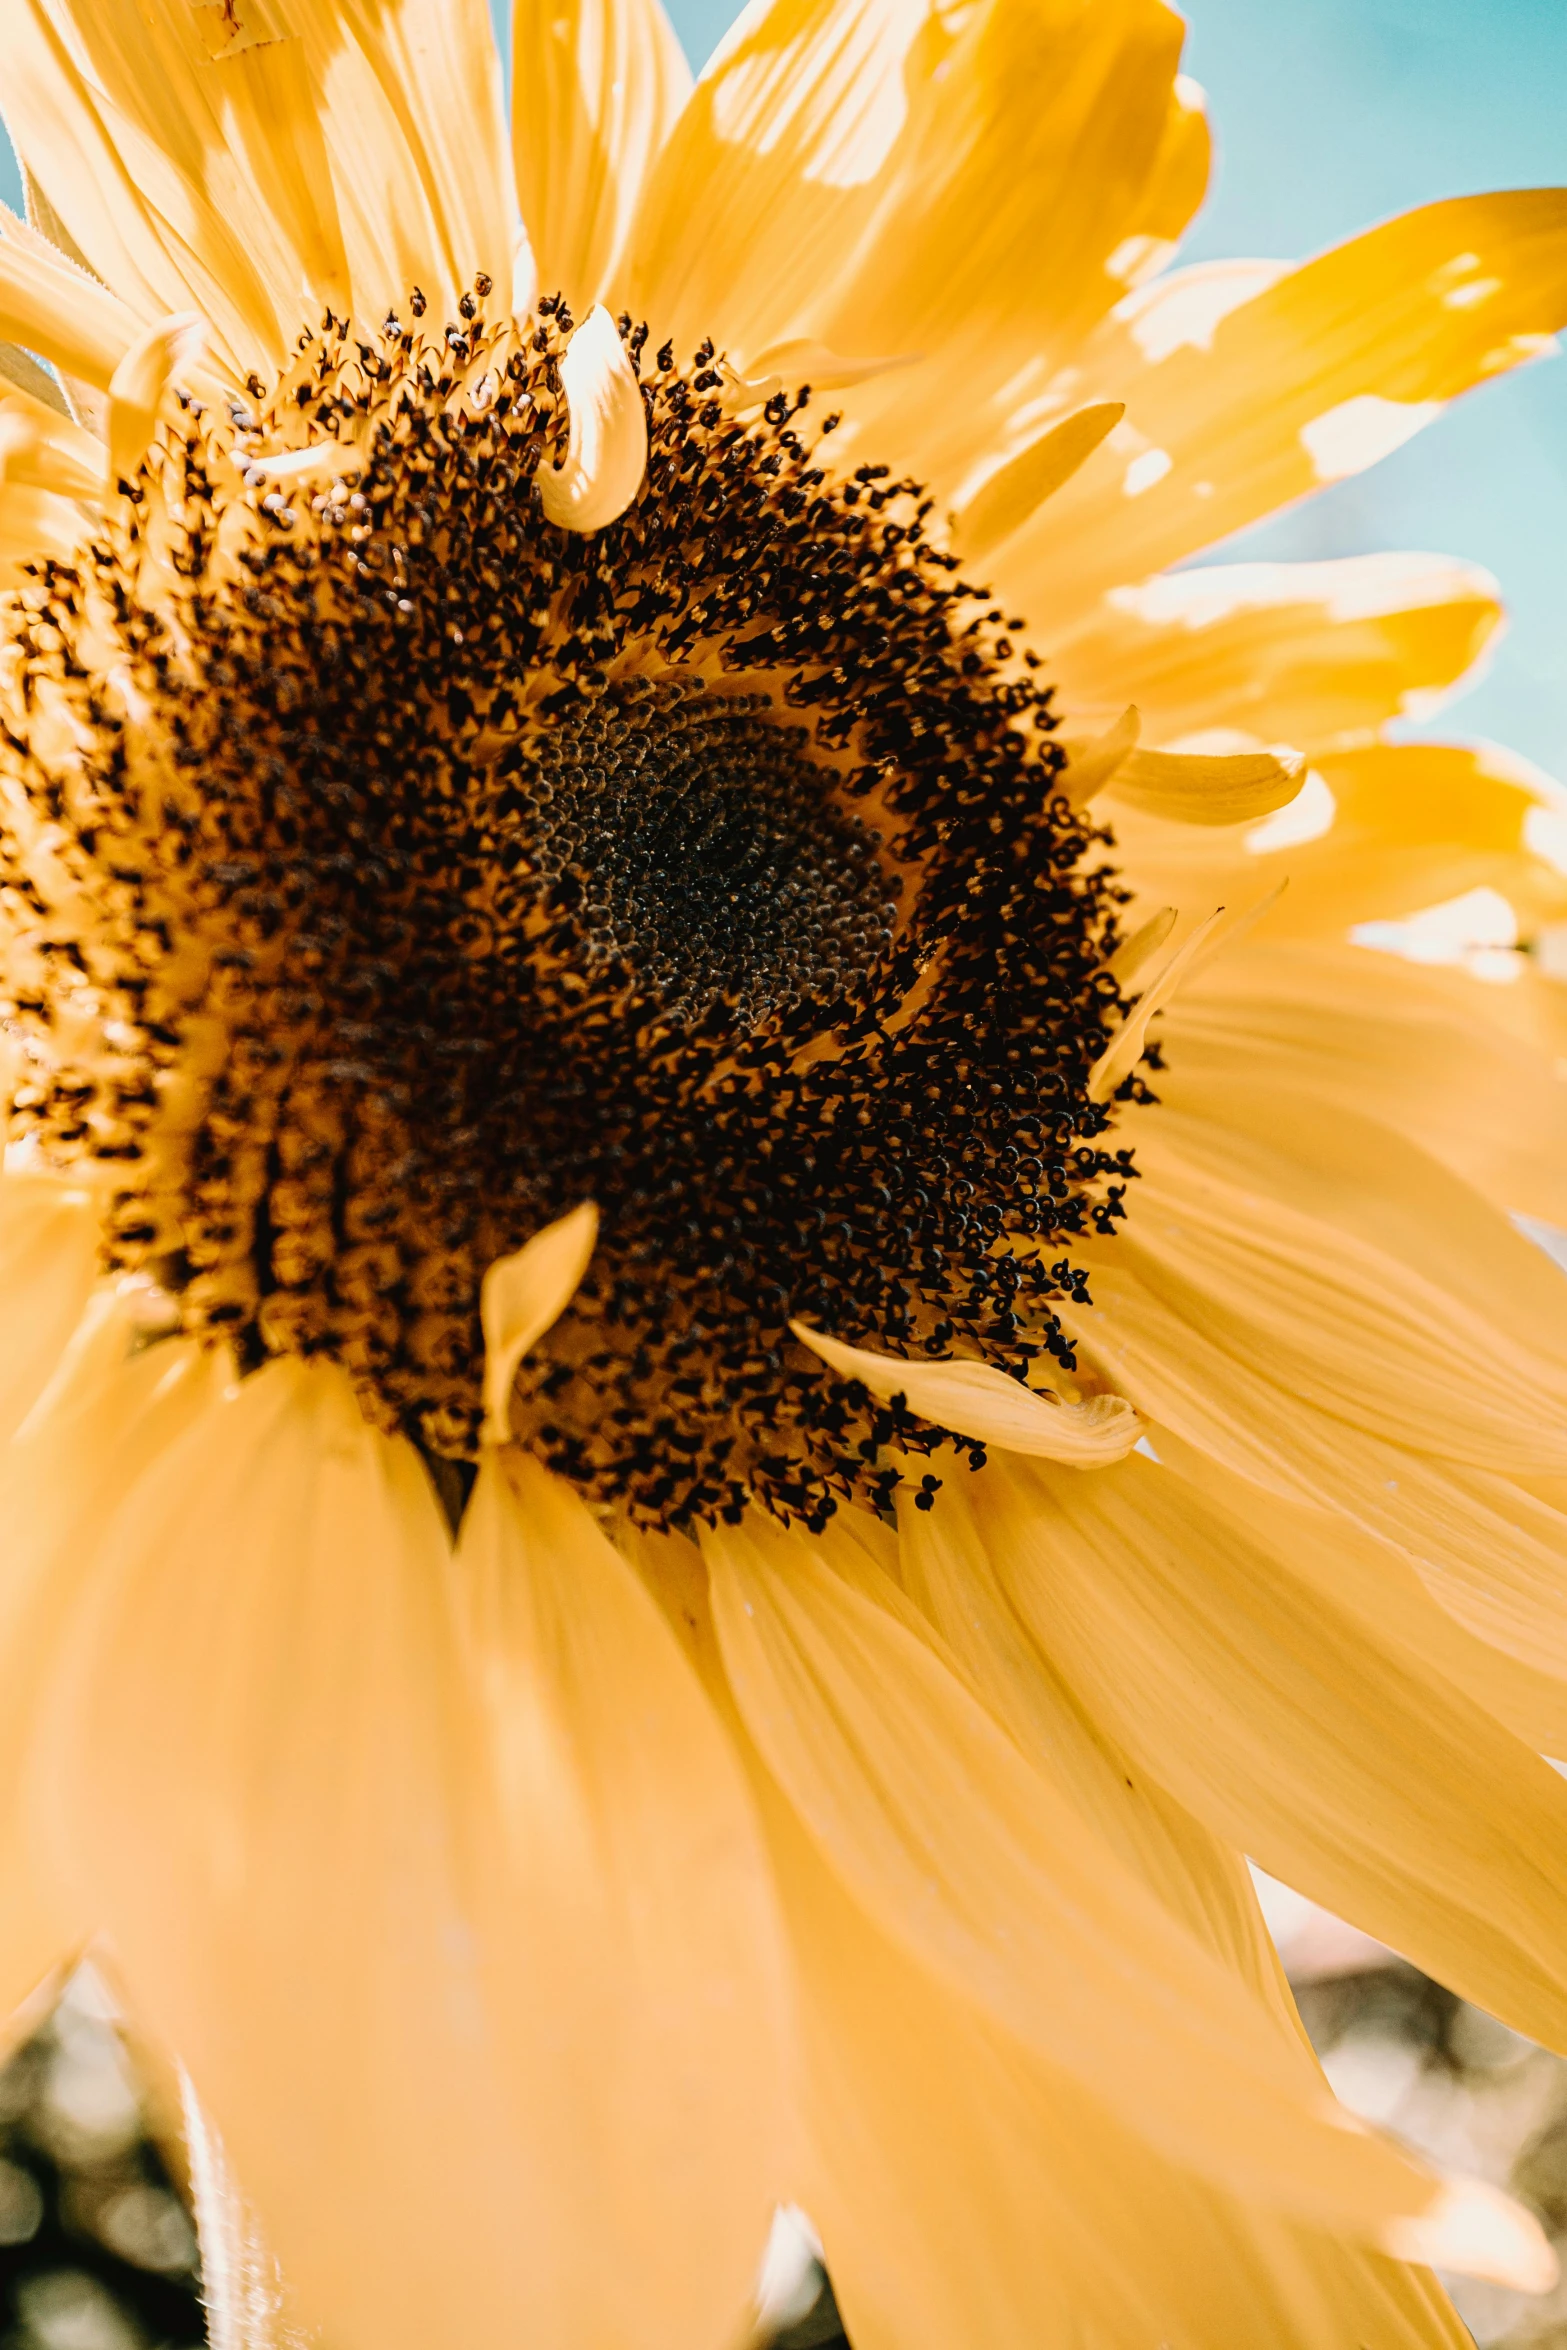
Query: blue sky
point(1332, 114)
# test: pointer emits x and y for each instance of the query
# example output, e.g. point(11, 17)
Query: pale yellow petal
point(606, 454)
point(522, 1296)
point(635, 1952)
point(979, 1400)
point(55, 308)
point(48, 1257)
point(596, 90)
point(148, 373)
point(1473, 1074)
point(1346, 1325)
point(1486, 1550)
point(259, 161)
point(1339, 1765)
point(970, 2201)
point(35, 524)
point(261, 1769)
point(1310, 379)
point(47, 451)
point(973, 1863)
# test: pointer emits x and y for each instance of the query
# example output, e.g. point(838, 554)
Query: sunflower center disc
point(387, 871)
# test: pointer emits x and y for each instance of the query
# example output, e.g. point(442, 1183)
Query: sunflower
point(723, 1350)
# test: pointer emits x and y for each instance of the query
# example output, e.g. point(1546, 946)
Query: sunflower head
point(396, 867)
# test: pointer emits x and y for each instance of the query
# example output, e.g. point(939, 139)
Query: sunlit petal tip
point(139, 384)
point(606, 452)
point(1477, 2231)
point(521, 1297)
point(1007, 497)
point(981, 1401)
point(1090, 765)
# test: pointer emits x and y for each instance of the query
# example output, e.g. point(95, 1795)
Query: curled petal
point(140, 382)
point(978, 1400)
point(1125, 1049)
point(1190, 787)
point(1090, 765)
point(1142, 946)
point(292, 468)
point(606, 454)
point(1006, 498)
point(522, 1295)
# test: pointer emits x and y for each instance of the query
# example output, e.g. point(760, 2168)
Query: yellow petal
point(596, 90)
point(634, 1948)
point(1090, 765)
point(1309, 653)
point(34, 524)
point(1338, 1764)
point(1007, 497)
point(48, 1258)
point(978, 1400)
point(606, 454)
point(1486, 1550)
point(1126, 1048)
point(255, 161)
point(57, 309)
point(522, 1296)
point(767, 172)
point(103, 1414)
point(1455, 1067)
point(1193, 788)
point(141, 383)
point(968, 2199)
point(1145, 942)
point(270, 1669)
point(1052, 127)
point(1316, 374)
point(1344, 1324)
point(48, 451)
point(972, 1864)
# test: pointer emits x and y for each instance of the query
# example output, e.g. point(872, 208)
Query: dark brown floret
point(393, 870)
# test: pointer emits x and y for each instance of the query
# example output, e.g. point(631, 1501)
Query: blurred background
point(1330, 114)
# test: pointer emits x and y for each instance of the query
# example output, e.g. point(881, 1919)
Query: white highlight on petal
point(606, 452)
point(138, 385)
point(1545, 835)
point(1136, 259)
point(522, 1295)
point(1479, 2232)
point(791, 2275)
point(978, 1400)
point(1362, 431)
point(1306, 817)
point(1477, 932)
point(1183, 312)
point(1144, 471)
point(1352, 587)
